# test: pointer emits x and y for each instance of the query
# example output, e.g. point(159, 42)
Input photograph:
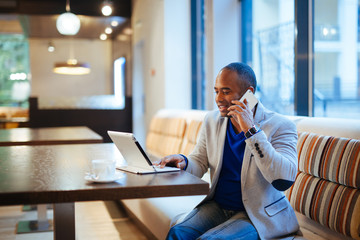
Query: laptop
point(137, 160)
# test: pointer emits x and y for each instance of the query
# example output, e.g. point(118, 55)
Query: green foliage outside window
point(14, 70)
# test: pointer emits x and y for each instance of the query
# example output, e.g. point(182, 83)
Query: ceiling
point(121, 8)
point(37, 18)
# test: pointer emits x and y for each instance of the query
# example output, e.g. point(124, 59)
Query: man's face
point(227, 88)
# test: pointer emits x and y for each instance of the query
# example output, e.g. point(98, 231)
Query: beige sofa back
point(173, 131)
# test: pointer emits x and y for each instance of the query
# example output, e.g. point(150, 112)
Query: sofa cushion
point(190, 137)
point(330, 158)
point(327, 186)
point(165, 136)
point(330, 204)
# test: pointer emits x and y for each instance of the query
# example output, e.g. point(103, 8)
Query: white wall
point(48, 84)
point(177, 42)
point(148, 63)
point(161, 32)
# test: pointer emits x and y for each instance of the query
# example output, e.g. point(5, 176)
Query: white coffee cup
point(103, 169)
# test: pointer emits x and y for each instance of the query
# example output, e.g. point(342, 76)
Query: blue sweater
point(228, 189)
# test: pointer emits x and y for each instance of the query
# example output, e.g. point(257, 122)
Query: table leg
point(64, 221)
point(42, 224)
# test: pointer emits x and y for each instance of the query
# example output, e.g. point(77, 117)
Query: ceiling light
point(127, 31)
point(114, 23)
point(108, 30)
point(106, 8)
point(68, 23)
point(51, 47)
point(72, 67)
point(103, 36)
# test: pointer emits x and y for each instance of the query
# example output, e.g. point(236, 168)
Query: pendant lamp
point(69, 24)
point(71, 67)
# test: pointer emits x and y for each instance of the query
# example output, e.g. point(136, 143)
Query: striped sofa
point(325, 195)
point(327, 186)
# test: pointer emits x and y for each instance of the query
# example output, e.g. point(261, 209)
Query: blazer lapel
point(220, 143)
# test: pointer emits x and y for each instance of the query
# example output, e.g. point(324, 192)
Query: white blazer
point(269, 167)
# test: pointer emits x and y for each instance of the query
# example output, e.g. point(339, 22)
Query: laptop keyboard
point(166, 168)
point(138, 169)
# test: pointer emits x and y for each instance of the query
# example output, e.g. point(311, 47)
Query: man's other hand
point(175, 160)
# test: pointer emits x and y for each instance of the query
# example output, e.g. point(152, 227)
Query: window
point(197, 55)
point(317, 76)
point(119, 81)
point(336, 59)
point(268, 47)
point(14, 70)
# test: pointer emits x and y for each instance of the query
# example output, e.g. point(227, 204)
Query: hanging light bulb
point(68, 23)
point(51, 47)
point(107, 8)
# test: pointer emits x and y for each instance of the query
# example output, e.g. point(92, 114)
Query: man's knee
point(179, 231)
point(175, 233)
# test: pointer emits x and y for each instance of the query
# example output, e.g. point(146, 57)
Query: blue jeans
point(209, 221)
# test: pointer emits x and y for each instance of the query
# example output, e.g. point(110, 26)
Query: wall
point(148, 63)
point(177, 54)
point(161, 64)
point(48, 84)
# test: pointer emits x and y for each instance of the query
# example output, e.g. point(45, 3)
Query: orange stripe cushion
point(330, 158)
point(332, 205)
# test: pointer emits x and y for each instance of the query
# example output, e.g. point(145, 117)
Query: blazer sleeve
point(198, 158)
point(274, 152)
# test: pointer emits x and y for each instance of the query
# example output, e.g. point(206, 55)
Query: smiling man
point(251, 154)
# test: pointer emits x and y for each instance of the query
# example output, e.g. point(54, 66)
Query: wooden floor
point(94, 221)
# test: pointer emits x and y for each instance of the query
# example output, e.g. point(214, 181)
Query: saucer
point(118, 176)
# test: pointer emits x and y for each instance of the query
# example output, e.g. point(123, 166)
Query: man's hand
point(175, 160)
point(242, 114)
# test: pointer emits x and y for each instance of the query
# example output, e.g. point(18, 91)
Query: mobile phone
point(250, 98)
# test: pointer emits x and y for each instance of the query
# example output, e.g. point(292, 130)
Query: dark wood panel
point(99, 120)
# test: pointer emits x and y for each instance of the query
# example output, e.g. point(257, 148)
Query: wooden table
point(48, 136)
point(55, 174)
point(45, 136)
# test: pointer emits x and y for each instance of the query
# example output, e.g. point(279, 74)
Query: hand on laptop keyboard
point(175, 160)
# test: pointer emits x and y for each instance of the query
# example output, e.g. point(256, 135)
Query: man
point(252, 158)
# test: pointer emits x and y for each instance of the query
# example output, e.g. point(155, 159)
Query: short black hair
point(244, 72)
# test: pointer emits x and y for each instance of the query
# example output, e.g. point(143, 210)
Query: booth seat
point(326, 192)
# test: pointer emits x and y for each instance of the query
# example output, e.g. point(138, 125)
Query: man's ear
point(252, 89)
